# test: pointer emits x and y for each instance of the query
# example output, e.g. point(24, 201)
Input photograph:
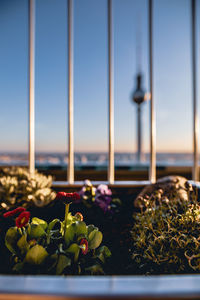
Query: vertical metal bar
point(70, 171)
point(139, 134)
point(32, 86)
point(111, 165)
point(195, 171)
point(152, 170)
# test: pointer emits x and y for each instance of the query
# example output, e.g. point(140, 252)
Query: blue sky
point(172, 70)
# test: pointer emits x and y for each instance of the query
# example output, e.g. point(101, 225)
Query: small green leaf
point(117, 201)
point(63, 262)
point(95, 270)
point(90, 228)
point(23, 244)
point(52, 224)
point(95, 239)
point(70, 219)
point(76, 229)
point(40, 222)
point(52, 262)
point(74, 249)
point(18, 267)
point(36, 255)
point(35, 231)
point(80, 228)
point(69, 234)
point(11, 238)
point(102, 253)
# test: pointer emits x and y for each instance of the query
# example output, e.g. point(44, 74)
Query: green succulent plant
point(19, 188)
point(166, 234)
point(58, 248)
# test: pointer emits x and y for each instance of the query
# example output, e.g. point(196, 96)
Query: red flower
point(79, 216)
point(67, 197)
point(23, 219)
point(84, 246)
point(14, 212)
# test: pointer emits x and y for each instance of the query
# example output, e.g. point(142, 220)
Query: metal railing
point(31, 86)
point(195, 171)
point(111, 169)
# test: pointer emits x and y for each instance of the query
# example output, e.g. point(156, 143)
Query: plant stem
point(66, 215)
point(66, 212)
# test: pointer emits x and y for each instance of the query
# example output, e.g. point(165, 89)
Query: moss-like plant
point(19, 187)
point(166, 234)
point(58, 248)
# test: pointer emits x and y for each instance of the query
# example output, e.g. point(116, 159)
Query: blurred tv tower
point(138, 95)
point(139, 98)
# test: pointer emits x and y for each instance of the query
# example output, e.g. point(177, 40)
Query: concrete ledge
point(151, 287)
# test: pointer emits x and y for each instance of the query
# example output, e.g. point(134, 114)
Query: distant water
point(84, 159)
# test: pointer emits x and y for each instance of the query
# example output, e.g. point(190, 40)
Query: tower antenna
point(138, 96)
point(138, 38)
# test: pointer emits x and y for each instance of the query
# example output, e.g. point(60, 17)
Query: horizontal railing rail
point(100, 287)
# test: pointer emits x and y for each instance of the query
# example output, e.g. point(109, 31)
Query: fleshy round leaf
point(63, 262)
point(95, 239)
point(69, 234)
point(35, 231)
point(90, 228)
point(40, 222)
point(11, 238)
point(36, 255)
point(102, 253)
point(80, 228)
point(23, 244)
point(74, 249)
point(76, 229)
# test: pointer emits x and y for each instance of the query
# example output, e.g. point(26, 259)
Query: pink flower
point(104, 190)
point(103, 197)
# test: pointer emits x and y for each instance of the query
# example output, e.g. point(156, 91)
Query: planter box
point(103, 287)
point(110, 287)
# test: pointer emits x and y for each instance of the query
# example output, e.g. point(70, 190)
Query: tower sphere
point(138, 94)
